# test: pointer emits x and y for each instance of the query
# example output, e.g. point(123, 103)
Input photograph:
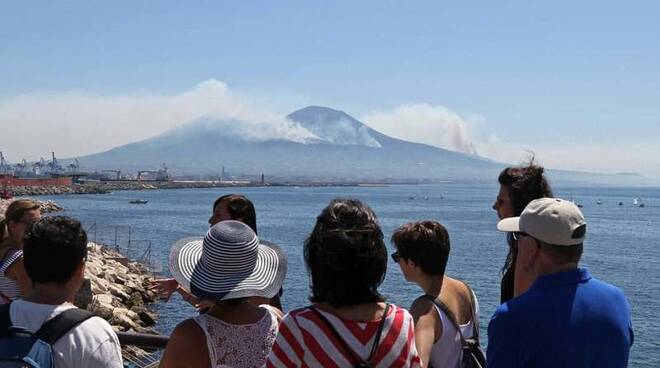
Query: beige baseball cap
point(551, 220)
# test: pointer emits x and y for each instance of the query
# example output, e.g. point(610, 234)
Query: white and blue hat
point(229, 262)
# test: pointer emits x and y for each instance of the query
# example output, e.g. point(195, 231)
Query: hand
point(204, 305)
point(164, 287)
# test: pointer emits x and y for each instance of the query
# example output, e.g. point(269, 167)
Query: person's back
point(568, 319)
point(307, 339)
point(54, 253)
point(90, 344)
point(446, 351)
point(239, 345)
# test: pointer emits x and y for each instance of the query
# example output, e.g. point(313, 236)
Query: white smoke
point(76, 123)
point(423, 123)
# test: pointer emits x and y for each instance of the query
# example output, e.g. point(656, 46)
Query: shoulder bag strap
point(58, 326)
point(345, 345)
point(449, 314)
point(473, 305)
point(347, 348)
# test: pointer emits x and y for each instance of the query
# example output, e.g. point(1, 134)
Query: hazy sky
point(577, 82)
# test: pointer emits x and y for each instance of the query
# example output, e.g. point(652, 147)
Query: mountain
point(317, 142)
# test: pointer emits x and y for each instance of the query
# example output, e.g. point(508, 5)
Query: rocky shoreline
point(116, 290)
point(107, 187)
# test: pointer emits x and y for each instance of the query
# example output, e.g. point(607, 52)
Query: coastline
point(112, 186)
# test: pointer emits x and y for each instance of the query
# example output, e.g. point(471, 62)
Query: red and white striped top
point(304, 340)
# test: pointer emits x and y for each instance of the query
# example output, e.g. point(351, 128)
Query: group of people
point(553, 312)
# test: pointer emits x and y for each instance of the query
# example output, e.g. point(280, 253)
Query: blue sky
point(574, 81)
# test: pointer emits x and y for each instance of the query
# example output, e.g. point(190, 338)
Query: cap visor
point(509, 225)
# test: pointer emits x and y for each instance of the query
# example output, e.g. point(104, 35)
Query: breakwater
point(113, 186)
point(116, 289)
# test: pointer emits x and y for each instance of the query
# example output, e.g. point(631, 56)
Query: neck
point(430, 284)
point(557, 268)
point(51, 293)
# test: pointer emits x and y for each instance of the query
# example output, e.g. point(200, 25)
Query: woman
point(227, 207)
point(518, 186)
point(19, 216)
point(349, 324)
point(228, 267)
point(448, 309)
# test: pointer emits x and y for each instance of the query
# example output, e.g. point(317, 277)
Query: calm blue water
point(622, 247)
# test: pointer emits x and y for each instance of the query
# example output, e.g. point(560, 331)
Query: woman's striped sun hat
point(228, 263)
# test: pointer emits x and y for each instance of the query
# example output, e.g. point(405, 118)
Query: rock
point(119, 293)
point(123, 321)
point(146, 330)
point(136, 299)
point(148, 318)
point(103, 310)
point(84, 295)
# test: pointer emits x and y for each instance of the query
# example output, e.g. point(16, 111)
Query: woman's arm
point(16, 272)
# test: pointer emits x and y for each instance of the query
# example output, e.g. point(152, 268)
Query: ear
point(528, 254)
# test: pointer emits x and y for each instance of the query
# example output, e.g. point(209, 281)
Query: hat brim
point(509, 225)
point(264, 280)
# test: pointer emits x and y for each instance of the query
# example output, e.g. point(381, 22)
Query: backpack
point(358, 363)
point(473, 355)
point(22, 348)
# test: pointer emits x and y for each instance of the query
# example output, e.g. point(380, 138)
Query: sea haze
point(621, 246)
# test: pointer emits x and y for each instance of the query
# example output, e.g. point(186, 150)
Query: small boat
point(599, 202)
point(138, 201)
point(620, 203)
point(638, 202)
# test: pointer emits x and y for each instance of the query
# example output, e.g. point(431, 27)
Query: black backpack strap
point(5, 320)
point(59, 325)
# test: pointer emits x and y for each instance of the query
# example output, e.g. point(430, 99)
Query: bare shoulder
point(422, 307)
point(187, 347)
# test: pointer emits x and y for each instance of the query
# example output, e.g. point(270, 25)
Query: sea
point(622, 245)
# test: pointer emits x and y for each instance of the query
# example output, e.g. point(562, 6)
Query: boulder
point(84, 295)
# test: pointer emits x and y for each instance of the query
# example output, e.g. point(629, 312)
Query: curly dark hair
point(525, 184)
point(424, 242)
point(54, 248)
point(345, 255)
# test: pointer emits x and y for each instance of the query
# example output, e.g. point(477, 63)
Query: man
point(567, 318)
point(54, 253)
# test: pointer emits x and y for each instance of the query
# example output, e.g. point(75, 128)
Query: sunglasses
point(518, 234)
point(396, 257)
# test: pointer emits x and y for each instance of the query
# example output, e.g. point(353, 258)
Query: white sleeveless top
point(239, 346)
point(8, 287)
point(447, 352)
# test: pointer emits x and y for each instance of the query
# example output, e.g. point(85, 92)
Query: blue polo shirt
point(566, 319)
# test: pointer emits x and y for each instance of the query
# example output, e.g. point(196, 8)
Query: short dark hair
point(345, 255)
point(54, 248)
point(424, 242)
point(240, 208)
